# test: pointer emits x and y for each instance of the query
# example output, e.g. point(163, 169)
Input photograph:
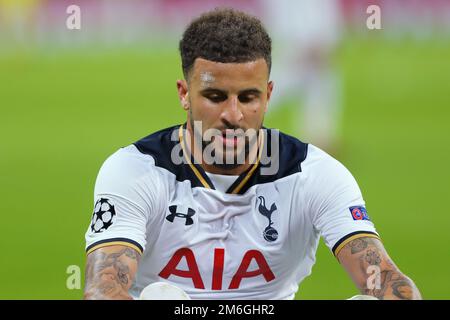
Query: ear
point(269, 93)
point(183, 93)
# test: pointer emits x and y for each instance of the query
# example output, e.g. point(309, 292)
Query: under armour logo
point(187, 216)
point(269, 234)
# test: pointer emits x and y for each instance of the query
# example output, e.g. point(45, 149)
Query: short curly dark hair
point(225, 35)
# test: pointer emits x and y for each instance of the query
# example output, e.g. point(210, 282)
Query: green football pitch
point(62, 113)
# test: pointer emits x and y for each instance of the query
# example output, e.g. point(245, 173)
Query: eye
point(246, 98)
point(215, 97)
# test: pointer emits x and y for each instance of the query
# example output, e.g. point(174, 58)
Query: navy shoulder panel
point(160, 146)
point(282, 156)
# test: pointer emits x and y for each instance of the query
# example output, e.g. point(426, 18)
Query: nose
point(232, 114)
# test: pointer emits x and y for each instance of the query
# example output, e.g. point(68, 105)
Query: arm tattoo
point(402, 289)
point(373, 257)
point(358, 245)
point(391, 284)
point(108, 275)
point(392, 281)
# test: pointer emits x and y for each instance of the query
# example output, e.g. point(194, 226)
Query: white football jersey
point(257, 240)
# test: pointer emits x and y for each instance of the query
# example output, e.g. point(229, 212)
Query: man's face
point(229, 97)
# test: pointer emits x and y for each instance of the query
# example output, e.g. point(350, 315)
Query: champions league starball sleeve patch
point(103, 216)
point(359, 213)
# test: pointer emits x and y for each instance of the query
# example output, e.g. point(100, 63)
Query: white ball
point(363, 297)
point(163, 291)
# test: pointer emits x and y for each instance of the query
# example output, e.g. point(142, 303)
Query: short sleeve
point(124, 199)
point(336, 203)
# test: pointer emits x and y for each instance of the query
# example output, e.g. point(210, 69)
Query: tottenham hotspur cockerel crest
point(269, 234)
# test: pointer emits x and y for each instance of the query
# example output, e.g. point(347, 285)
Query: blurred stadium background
point(70, 98)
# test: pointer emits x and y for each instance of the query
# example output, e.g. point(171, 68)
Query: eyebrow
point(254, 91)
point(213, 90)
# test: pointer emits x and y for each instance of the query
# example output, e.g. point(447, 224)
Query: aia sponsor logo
point(193, 272)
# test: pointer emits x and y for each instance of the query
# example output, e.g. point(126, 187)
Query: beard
point(221, 153)
point(223, 162)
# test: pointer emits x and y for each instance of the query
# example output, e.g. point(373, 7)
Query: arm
point(373, 271)
point(110, 271)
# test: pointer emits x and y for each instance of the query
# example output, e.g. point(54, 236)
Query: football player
point(220, 206)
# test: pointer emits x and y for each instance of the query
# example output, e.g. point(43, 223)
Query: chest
point(203, 218)
point(211, 240)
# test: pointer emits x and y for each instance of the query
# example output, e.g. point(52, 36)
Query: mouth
point(230, 138)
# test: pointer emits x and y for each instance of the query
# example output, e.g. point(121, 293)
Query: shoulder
point(159, 145)
point(133, 164)
point(128, 160)
point(328, 182)
point(291, 156)
point(319, 166)
point(142, 157)
point(124, 169)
